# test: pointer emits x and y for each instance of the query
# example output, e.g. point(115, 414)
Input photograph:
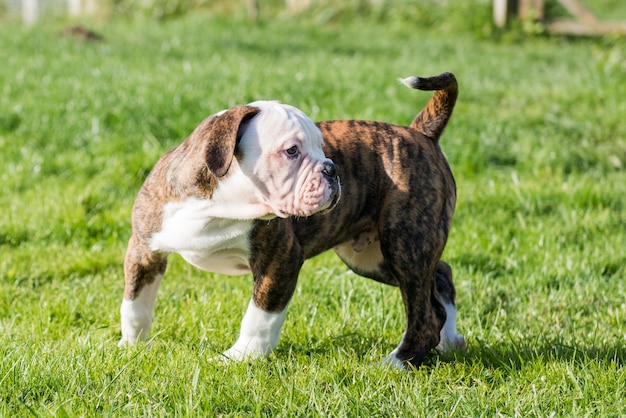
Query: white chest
point(191, 229)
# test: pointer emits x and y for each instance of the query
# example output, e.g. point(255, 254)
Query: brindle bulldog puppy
point(256, 189)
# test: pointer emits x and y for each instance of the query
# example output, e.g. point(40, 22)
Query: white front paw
point(125, 342)
point(251, 349)
point(131, 335)
point(260, 331)
point(450, 343)
point(136, 323)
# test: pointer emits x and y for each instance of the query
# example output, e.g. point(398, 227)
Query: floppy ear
point(220, 135)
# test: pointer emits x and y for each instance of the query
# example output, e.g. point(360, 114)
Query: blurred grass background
point(537, 144)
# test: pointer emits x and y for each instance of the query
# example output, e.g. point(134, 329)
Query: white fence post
point(74, 7)
point(30, 11)
point(499, 12)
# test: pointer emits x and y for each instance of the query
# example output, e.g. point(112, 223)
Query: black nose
point(330, 170)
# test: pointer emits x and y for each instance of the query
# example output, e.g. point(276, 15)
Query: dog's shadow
point(508, 355)
point(514, 355)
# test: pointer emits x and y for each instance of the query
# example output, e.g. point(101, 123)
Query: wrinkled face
point(281, 153)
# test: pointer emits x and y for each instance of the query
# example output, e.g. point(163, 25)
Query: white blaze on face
point(282, 155)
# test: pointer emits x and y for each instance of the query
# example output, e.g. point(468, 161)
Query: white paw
point(449, 344)
point(135, 323)
point(260, 331)
point(393, 362)
point(125, 342)
point(136, 315)
point(248, 350)
point(131, 335)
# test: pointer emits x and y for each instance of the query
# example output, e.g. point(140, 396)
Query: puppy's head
point(270, 154)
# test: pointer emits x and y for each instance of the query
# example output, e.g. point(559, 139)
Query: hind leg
point(369, 262)
point(412, 260)
point(449, 339)
point(425, 316)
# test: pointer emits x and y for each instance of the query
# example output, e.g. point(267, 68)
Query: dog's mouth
point(334, 200)
point(280, 214)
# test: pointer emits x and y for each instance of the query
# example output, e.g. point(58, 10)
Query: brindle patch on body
point(391, 224)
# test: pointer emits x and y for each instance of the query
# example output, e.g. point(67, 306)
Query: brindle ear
point(220, 135)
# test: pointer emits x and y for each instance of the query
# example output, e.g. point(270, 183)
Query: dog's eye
point(292, 151)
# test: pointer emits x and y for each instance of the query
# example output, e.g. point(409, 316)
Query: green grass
point(537, 144)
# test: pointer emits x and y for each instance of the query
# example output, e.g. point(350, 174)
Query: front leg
point(143, 271)
point(276, 258)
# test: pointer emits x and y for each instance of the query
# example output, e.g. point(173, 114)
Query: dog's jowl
point(261, 188)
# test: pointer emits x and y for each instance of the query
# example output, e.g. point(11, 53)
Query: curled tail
point(433, 118)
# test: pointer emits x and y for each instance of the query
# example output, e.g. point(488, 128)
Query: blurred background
point(580, 17)
point(93, 92)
